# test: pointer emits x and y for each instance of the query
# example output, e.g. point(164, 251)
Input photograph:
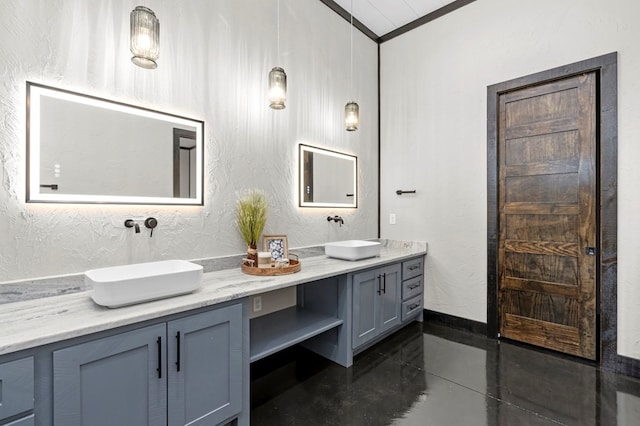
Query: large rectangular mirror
point(327, 178)
point(83, 149)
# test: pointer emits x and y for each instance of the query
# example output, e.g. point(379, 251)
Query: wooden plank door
point(547, 247)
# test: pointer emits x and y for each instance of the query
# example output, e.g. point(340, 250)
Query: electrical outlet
point(392, 219)
point(257, 303)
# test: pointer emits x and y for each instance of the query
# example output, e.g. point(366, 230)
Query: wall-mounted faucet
point(130, 223)
point(336, 219)
point(150, 223)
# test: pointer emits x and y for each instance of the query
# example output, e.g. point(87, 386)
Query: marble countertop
point(32, 323)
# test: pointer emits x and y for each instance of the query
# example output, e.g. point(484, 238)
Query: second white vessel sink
point(129, 284)
point(352, 249)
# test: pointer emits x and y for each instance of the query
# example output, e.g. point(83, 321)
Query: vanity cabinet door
point(205, 370)
point(366, 286)
point(376, 302)
point(390, 299)
point(117, 380)
point(16, 387)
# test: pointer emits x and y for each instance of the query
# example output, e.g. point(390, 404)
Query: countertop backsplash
point(16, 291)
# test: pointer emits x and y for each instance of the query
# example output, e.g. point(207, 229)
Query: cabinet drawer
point(16, 387)
point(411, 287)
point(411, 307)
point(412, 268)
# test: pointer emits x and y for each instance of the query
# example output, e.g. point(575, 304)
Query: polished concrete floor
point(433, 375)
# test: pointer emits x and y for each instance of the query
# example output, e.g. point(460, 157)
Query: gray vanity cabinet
point(412, 288)
point(205, 368)
point(117, 380)
point(17, 391)
point(186, 371)
point(376, 302)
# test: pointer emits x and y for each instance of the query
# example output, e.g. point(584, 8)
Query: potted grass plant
point(251, 216)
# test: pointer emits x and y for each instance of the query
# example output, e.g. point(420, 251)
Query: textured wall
point(433, 122)
point(214, 61)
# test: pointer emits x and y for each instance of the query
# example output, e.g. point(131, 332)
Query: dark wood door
point(547, 247)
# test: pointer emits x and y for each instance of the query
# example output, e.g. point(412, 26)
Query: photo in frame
point(277, 245)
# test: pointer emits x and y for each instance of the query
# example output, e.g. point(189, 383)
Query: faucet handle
point(151, 223)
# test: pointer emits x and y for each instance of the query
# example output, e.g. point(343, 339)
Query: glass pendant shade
point(277, 88)
point(145, 37)
point(351, 116)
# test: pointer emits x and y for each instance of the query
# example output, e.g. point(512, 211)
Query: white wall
point(433, 131)
point(214, 60)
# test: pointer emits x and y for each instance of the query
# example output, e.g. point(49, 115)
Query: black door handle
point(379, 285)
point(384, 283)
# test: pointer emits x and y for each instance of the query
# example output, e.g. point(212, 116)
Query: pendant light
point(351, 109)
point(145, 37)
point(277, 76)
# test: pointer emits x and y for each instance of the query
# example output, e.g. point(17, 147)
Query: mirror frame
point(33, 194)
point(308, 148)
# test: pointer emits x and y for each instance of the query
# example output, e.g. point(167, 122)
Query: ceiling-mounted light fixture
point(145, 37)
point(351, 109)
point(277, 76)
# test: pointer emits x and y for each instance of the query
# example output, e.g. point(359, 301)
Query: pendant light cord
point(278, 30)
point(351, 52)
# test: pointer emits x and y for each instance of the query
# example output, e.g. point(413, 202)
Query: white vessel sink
point(128, 284)
point(352, 249)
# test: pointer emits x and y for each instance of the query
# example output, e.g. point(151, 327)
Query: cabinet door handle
point(379, 285)
point(159, 369)
point(178, 352)
point(384, 283)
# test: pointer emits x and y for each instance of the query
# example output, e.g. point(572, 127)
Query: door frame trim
point(606, 186)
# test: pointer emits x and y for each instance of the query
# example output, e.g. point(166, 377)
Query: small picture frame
point(277, 245)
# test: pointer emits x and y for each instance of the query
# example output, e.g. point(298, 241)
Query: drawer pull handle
point(412, 286)
point(159, 369)
point(413, 267)
point(412, 307)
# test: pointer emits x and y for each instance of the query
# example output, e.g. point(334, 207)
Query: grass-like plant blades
point(251, 213)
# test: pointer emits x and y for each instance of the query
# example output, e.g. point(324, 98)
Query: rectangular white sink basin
point(352, 249)
point(129, 284)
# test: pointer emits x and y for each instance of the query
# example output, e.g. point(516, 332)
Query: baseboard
point(458, 323)
point(625, 365)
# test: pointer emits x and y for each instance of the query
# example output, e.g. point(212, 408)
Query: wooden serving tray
point(294, 266)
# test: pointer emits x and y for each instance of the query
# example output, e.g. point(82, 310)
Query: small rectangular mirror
point(327, 178)
point(83, 149)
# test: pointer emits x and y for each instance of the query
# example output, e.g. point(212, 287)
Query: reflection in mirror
point(327, 178)
point(83, 149)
